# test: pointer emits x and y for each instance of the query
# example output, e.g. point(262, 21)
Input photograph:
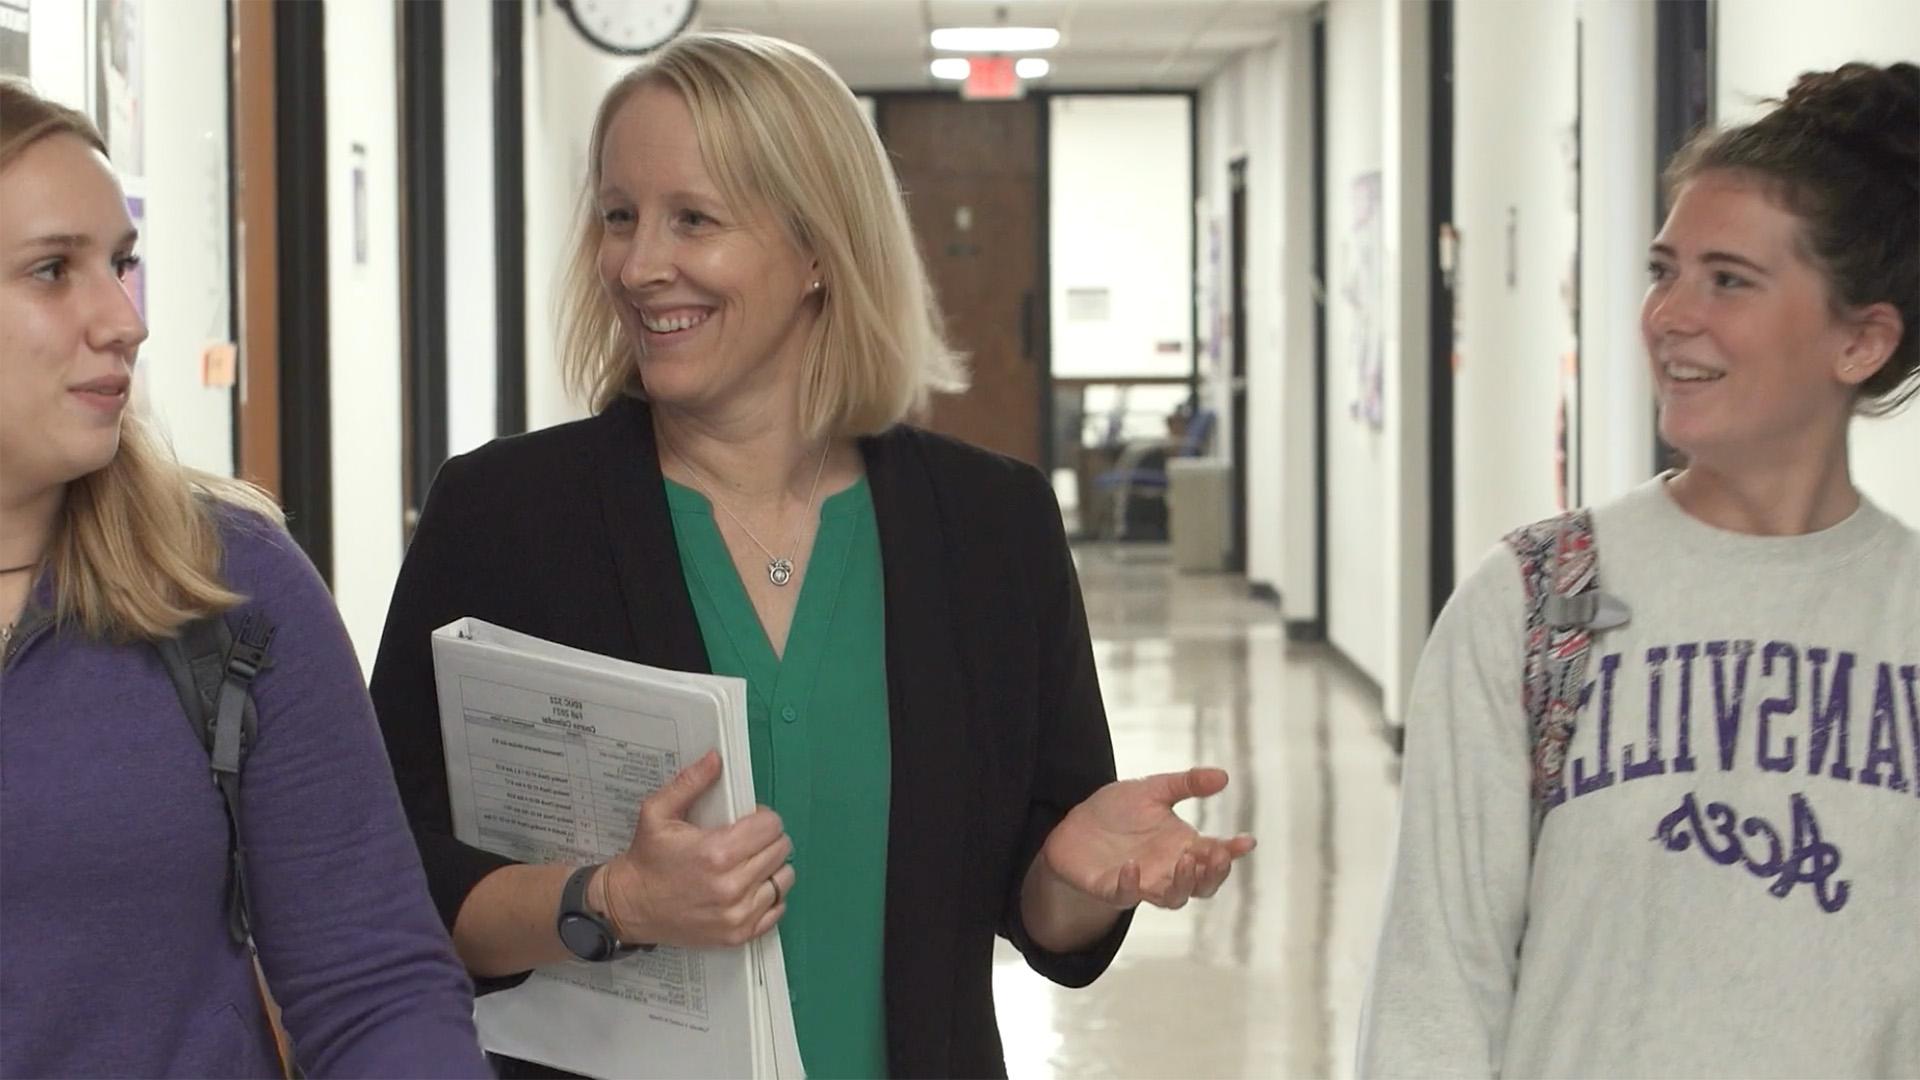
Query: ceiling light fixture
point(1032, 67)
point(995, 39)
point(955, 68)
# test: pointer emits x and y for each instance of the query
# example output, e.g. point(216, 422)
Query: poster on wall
point(1206, 283)
point(360, 229)
point(1217, 313)
point(15, 22)
point(1364, 296)
point(119, 92)
point(1567, 446)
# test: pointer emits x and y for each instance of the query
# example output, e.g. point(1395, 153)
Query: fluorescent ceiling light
point(995, 39)
point(1032, 67)
point(951, 67)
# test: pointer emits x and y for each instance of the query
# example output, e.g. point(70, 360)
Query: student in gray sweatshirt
point(117, 955)
point(1726, 878)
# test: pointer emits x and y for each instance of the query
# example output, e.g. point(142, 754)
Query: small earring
point(816, 285)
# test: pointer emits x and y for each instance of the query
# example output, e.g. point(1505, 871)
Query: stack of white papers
point(549, 752)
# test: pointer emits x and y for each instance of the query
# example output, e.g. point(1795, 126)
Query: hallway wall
point(1376, 289)
point(1518, 87)
point(1616, 225)
point(364, 313)
point(1515, 101)
point(1259, 108)
point(1357, 448)
point(1377, 380)
point(472, 329)
point(564, 80)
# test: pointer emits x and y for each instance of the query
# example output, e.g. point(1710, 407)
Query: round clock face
point(629, 27)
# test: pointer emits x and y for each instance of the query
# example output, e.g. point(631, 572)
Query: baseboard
point(1307, 631)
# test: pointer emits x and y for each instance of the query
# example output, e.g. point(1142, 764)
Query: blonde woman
point(117, 957)
point(750, 319)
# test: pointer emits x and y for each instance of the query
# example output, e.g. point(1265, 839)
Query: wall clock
point(629, 27)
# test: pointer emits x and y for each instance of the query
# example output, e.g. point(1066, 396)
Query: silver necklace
point(6, 630)
point(779, 567)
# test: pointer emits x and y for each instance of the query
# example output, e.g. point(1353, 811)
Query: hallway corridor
point(1265, 980)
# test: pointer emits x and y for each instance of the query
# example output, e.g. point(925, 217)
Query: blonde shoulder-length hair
point(136, 550)
point(779, 130)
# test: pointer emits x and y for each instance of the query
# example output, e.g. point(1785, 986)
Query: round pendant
point(780, 571)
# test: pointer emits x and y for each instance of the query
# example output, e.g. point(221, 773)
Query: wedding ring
point(777, 894)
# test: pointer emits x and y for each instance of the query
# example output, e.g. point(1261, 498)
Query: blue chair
point(1141, 471)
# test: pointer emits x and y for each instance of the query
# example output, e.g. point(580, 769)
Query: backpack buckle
point(248, 657)
point(1593, 610)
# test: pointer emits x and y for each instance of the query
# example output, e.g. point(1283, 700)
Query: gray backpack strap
point(1560, 573)
point(213, 672)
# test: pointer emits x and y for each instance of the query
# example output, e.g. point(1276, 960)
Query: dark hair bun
point(1873, 110)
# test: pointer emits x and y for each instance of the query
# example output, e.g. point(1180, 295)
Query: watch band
point(586, 933)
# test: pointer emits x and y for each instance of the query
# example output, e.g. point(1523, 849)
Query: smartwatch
point(586, 933)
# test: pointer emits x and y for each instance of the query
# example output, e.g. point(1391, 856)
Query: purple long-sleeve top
point(114, 954)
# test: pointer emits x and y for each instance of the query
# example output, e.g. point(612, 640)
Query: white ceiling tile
point(1111, 43)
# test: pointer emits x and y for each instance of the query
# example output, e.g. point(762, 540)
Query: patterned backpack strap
point(1559, 571)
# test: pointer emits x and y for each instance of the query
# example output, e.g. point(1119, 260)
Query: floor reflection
point(1266, 979)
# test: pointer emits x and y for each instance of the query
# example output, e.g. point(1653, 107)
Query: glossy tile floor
point(1264, 980)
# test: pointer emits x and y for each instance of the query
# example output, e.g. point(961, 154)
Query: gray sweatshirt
point(1731, 886)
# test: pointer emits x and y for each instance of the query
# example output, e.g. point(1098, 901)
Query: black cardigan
point(995, 715)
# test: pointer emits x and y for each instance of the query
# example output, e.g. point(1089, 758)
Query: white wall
point(57, 50)
point(1515, 102)
point(1357, 591)
point(1406, 561)
point(364, 314)
point(1762, 46)
point(1121, 229)
point(188, 224)
point(1617, 208)
point(564, 81)
point(1379, 527)
point(472, 318)
point(1260, 108)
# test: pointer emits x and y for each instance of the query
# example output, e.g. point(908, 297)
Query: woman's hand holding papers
point(680, 884)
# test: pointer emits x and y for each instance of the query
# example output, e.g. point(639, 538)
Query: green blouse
point(817, 723)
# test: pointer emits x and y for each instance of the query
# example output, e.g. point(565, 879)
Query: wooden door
point(256, 210)
point(971, 173)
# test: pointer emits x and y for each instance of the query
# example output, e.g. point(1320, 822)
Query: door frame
point(510, 218)
point(253, 268)
point(1440, 426)
point(1684, 80)
point(1238, 201)
point(1315, 628)
point(304, 307)
point(423, 251)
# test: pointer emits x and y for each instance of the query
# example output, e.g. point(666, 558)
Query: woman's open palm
point(1124, 843)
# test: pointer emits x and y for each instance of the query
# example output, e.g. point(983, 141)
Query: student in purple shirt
point(115, 952)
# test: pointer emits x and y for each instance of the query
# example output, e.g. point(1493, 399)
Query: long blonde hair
point(136, 551)
point(778, 129)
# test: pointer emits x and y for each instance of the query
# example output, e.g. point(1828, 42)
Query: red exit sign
point(990, 78)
